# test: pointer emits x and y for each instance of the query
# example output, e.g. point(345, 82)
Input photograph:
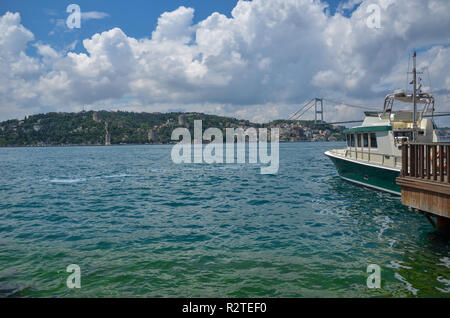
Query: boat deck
point(367, 157)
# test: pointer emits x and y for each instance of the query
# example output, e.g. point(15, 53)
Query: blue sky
point(259, 63)
point(137, 18)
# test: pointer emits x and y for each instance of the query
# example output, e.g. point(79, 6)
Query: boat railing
point(375, 157)
point(427, 161)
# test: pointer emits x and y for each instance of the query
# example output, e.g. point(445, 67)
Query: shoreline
point(162, 144)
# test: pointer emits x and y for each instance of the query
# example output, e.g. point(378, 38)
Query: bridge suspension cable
point(304, 111)
point(350, 105)
point(306, 106)
point(303, 107)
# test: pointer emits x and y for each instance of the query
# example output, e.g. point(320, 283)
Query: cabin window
point(407, 134)
point(352, 140)
point(348, 140)
point(366, 140)
point(373, 140)
point(359, 140)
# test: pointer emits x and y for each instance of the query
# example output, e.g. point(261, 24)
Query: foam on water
point(68, 180)
point(84, 179)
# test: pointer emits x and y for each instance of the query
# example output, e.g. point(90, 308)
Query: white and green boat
point(372, 157)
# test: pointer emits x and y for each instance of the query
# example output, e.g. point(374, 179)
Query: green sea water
point(140, 226)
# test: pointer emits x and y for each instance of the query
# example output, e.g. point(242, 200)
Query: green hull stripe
point(367, 129)
point(380, 178)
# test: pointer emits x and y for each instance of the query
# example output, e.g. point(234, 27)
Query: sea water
point(139, 225)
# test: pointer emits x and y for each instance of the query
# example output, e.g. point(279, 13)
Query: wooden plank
point(423, 200)
point(431, 186)
point(430, 143)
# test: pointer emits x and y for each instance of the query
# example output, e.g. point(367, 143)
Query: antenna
point(429, 80)
point(407, 73)
point(414, 97)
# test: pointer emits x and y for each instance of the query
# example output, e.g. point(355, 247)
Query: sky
point(258, 60)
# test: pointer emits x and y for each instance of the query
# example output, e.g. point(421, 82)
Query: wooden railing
point(428, 161)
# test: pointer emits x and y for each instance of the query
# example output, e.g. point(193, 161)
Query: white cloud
point(13, 36)
point(18, 71)
point(60, 25)
point(263, 61)
point(175, 26)
point(347, 5)
point(93, 15)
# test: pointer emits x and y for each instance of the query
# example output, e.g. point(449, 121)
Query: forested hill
point(107, 127)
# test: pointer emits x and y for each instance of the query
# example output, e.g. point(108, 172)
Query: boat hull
point(368, 175)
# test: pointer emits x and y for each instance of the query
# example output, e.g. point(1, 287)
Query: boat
point(372, 157)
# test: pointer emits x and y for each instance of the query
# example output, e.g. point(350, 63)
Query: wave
point(158, 170)
point(122, 175)
point(78, 180)
point(67, 180)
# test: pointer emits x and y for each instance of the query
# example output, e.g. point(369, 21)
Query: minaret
point(107, 136)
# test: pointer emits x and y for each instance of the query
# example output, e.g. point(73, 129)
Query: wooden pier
point(425, 181)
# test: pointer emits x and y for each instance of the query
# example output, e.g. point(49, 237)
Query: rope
point(429, 79)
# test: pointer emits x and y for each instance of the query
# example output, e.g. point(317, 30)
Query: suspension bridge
point(317, 105)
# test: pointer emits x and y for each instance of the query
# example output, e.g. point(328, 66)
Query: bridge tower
point(318, 109)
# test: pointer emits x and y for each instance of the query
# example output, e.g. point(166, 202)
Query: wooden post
point(427, 147)
point(405, 160)
point(362, 146)
point(441, 163)
point(416, 160)
point(421, 161)
point(448, 163)
point(412, 167)
point(434, 162)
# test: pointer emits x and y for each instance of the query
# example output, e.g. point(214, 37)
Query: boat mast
point(414, 97)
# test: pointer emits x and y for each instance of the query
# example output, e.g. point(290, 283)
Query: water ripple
point(139, 225)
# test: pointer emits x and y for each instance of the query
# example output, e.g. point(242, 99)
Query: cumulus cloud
point(268, 57)
point(348, 5)
point(18, 71)
point(175, 26)
point(13, 36)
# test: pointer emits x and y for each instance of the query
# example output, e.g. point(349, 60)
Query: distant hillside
point(107, 127)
